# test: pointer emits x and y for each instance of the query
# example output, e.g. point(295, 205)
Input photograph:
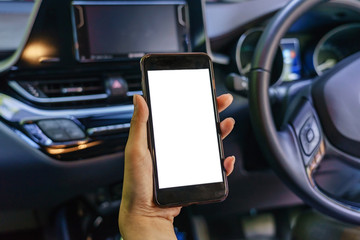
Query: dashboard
point(89, 69)
point(306, 51)
point(66, 89)
point(296, 62)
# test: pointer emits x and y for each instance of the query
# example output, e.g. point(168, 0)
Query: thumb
point(138, 131)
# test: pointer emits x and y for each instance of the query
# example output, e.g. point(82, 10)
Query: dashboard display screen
point(290, 52)
point(185, 136)
point(129, 30)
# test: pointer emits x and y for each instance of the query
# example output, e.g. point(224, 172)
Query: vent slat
point(71, 87)
point(74, 92)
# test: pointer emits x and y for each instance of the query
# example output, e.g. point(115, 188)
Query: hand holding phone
point(183, 129)
point(139, 216)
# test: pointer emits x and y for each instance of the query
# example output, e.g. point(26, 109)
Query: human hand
point(139, 217)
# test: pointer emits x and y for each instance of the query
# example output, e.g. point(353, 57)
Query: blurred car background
point(68, 71)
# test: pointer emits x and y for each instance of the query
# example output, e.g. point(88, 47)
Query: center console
point(74, 82)
point(66, 102)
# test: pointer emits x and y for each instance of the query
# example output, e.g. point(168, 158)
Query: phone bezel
point(177, 196)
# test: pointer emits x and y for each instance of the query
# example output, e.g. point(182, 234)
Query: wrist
point(143, 227)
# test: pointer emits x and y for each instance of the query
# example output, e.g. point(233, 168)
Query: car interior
point(69, 70)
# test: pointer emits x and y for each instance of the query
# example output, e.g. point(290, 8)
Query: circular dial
point(245, 50)
point(328, 57)
point(336, 45)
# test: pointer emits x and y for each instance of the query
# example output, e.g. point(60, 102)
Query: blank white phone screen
point(184, 126)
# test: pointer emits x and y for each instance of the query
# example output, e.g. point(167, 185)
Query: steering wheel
point(319, 119)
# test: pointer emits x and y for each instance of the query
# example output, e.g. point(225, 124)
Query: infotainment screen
point(115, 30)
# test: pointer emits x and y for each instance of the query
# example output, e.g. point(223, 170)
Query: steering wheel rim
point(282, 147)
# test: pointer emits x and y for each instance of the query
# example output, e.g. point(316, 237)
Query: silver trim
point(207, 40)
point(74, 31)
point(220, 58)
point(180, 15)
point(49, 60)
point(87, 3)
point(239, 45)
point(81, 17)
point(14, 85)
point(107, 129)
point(132, 93)
point(12, 109)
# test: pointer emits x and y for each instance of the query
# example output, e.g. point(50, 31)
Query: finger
point(224, 101)
point(226, 126)
point(138, 132)
point(229, 165)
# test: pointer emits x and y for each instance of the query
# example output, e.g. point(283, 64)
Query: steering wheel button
point(310, 135)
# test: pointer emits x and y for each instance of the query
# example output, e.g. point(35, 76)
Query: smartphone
point(183, 129)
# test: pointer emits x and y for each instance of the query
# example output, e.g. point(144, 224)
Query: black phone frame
point(193, 194)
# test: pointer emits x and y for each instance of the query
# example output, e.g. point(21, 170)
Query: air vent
point(61, 92)
point(75, 92)
point(73, 87)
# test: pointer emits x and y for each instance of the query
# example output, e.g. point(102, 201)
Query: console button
point(48, 124)
point(37, 134)
point(57, 135)
point(61, 130)
point(75, 134)
point(72, 130)
point(116, 87)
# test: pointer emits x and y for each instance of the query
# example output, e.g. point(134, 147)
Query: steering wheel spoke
point(302, 141)
point(308, 133)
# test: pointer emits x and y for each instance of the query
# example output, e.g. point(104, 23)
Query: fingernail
point(234, 160)
point(134, 100)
